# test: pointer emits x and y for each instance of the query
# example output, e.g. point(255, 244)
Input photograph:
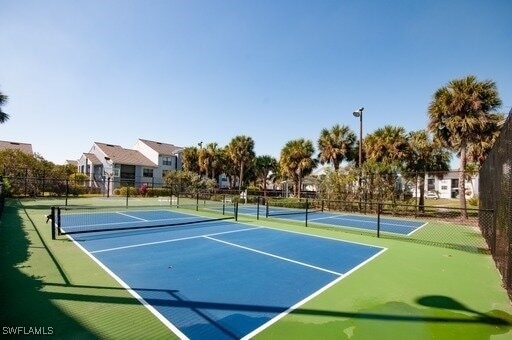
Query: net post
point(197, 200)
point(224, 205)
point(58, 221)
point(379, 209)
point(127, 195)
point(322, 205)
point(266, 209)
point(236, 210)
point(306, 218)
point(52, 220)
point(258, 208)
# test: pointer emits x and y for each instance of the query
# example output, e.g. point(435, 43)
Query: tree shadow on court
point(440, 315)
point(24, 304)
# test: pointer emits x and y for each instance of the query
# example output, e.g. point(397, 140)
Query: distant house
point(24, 147)
point(110, 166)
point(447, 186)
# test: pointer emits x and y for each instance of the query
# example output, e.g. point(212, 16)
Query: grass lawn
point(437, 285)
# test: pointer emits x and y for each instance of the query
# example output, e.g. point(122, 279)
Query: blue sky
point(180, 72)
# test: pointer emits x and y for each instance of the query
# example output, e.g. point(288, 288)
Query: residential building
point(24, 147)
point(111, 166)
point(447, 185)
point(166, 156)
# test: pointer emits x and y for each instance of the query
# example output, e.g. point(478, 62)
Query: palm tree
point(189, 159)
point(386, 149)
point(214, 158)
point(241, 152)
point(460, 115)
point(387, 144)
point(265, 167)
point(3, 100)
point(336, 145)
point(296, 161)
point(425, 156)
point(478, 150)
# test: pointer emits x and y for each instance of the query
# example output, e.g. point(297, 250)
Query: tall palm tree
point(296, 161)
point(266, 166)
point(424, 156)
point(241, 152)
point(460, 114)
point(213, 158)
point(203, 160)
point(336, 145)
point(3, 100)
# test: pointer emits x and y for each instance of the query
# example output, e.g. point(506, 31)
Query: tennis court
point(397, 226)
point(218, 278)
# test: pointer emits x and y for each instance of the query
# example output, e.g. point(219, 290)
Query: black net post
point(236, 210)
point(52, 221)
point(266, 209)
point(57, 225)
point(197, 200)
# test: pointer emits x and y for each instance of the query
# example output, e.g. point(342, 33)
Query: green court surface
point(440, 284)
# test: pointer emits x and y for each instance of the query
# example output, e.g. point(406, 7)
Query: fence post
point(258, 208)
point(67, 191)
point(379, 209)
point(307, 205)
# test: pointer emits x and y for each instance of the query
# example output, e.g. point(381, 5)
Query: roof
point(120, 155)
point(72, 162)
point(163, 149)
point(25, 147)
point(92, 157)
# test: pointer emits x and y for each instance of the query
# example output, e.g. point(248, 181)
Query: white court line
point(134, 217)
point(139, 298)
point(274, 256)
point(171, 240)
point(308, 298)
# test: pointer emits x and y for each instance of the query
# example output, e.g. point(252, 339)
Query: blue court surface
point(221, 279)
point(338, 219)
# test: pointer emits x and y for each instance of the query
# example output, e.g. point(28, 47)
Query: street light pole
point(359, 113)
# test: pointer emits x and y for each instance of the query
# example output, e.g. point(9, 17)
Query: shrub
point(473, 201)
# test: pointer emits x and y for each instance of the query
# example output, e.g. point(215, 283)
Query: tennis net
point(78, 220)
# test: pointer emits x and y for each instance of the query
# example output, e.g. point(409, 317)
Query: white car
point(431, 194)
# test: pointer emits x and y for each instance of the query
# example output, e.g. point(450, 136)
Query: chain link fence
point(496, 193)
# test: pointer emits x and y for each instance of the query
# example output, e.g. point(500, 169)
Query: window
point(166, 160)
point(147, 172)
point(444, 187)
point(431, 184)
point(455, 183)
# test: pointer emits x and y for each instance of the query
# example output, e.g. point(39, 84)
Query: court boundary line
point(139, 298)
point(274, 256)
point(172, 240)
point(310, 297)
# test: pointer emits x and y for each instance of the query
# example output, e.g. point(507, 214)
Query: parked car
point(432, 195)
